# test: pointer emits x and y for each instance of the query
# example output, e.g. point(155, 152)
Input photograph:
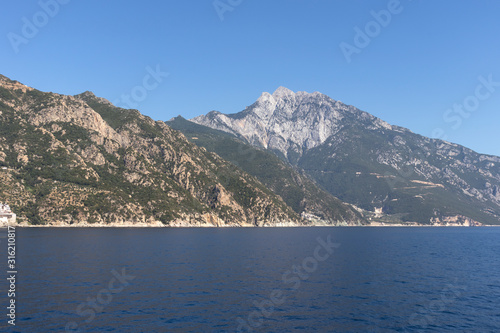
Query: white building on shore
point(6, 214)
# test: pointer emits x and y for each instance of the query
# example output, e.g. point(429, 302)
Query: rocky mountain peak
point(7, 83)
point(284, 120)
point(282, 93)
point(89, 96)
point(266, 97)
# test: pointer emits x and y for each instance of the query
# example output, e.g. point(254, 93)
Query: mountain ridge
point(283, 104)
point(345, 149)
point(70, 160)
point(297, 190)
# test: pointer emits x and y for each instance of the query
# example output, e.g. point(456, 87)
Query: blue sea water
point(257, 280)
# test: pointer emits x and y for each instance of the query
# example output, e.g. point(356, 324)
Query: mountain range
point(289, 159)
point(387, 170)
point(80, 160)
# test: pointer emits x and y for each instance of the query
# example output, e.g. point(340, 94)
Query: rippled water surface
point(258, 280)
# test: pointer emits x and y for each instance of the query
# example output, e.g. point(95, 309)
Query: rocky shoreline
point(205, 225)
point(157, 224)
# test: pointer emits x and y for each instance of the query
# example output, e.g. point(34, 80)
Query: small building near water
point(6, 214)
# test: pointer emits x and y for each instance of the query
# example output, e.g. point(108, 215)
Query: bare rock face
point(456, 221)
point(367, 162)
point(289, 122)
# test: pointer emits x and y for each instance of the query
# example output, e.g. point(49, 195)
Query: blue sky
point(423, 68)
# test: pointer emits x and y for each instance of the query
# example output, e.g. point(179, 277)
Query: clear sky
point(424, 65)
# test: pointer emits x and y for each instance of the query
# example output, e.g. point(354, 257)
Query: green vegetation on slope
point(298, 191)
point(76, 159)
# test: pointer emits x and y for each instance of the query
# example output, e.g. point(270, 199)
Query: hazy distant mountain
point(71, 159)
point(389, 170)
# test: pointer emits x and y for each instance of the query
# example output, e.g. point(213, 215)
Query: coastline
point(199, 225)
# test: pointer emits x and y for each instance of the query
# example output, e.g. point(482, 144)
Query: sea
point(319, 279)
